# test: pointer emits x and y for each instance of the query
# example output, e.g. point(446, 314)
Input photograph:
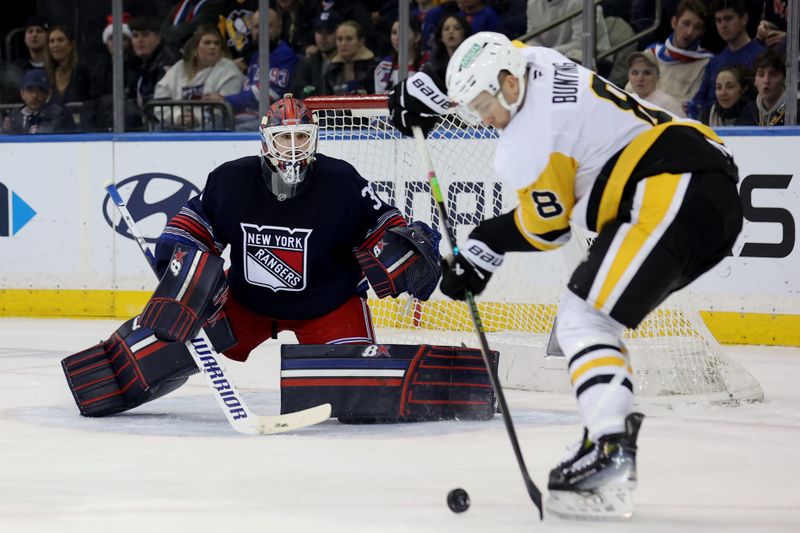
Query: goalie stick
point(207, 359)
point(425, 155)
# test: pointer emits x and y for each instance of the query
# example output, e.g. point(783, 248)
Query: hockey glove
point(405, 259)
point(470, 270)
point(417, 101)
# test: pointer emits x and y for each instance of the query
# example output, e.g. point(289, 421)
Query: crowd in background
point(719, 61)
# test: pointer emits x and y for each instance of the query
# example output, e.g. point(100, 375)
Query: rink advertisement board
point(63, 250)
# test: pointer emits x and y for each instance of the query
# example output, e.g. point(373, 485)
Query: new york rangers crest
point(275, 257)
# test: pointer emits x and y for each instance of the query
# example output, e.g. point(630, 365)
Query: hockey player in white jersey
point(660, 193)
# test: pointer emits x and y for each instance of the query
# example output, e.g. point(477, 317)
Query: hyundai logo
point(152, 199)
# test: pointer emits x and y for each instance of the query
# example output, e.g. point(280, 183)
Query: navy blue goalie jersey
point(292, 259)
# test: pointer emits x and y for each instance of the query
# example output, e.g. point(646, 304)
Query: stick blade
point(536, 496)
point(272, 425)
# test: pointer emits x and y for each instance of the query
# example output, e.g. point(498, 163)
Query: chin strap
point(513, 108)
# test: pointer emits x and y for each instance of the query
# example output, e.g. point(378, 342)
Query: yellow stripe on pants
point(601, 361)
point(659, 191)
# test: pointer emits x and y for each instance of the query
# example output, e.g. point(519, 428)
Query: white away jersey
point(572, 124)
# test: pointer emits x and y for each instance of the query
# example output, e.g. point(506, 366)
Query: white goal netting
point(675, 358)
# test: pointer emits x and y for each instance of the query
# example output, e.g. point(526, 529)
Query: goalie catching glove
point(405, 259)
point(470, 270)
point(420, 100)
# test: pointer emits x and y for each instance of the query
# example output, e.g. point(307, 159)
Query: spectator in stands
point(643, 77)
point(615, 66)
point(352, 69)
point(204, 69)
point(451, 32)
point(681, 59)
point(97, 112)
point(386, 73)
point(480, 16)
point(421, 12)
point(768, 109)
point(102, 70)
point(85, 19)
point(642, 14)
point(282, 62)
point(731, 98)
point(147, 63)
point(568, 37)
point(235, 26)
point(772, 36)
point(36, 30)
point(309, 74)
point(39, 114)
point(297, 19)
point(188, 15)
point(70, 77)
point(108, 31)
point(383, 13)
point(731, 18)
point(282, 58)
point(151, 59)
point(357, 11)
point(772, 27)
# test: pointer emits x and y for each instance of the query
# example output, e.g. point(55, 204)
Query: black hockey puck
point(458, 500)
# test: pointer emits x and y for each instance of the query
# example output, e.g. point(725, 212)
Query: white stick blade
point(271, 425)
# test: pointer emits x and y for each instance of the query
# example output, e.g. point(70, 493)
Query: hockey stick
point(206, 358)
point(424, 153)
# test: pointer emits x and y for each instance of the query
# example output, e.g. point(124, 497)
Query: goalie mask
point(288, 146)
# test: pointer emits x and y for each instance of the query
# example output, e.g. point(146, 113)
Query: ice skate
point(597, 480)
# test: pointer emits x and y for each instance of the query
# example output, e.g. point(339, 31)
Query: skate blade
point(607, 504)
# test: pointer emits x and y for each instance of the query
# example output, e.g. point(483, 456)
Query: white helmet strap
point(514, 107)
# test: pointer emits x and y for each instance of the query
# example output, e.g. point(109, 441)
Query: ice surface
point(176, 465)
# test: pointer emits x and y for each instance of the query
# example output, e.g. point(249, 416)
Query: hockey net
point(674, 357)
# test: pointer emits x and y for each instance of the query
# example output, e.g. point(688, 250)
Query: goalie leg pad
point(94, 381)
point(132, 367)
point(406, 259)
point(388, 382)
point(191, 291)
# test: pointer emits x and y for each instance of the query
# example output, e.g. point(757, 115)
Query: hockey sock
point(602, 380)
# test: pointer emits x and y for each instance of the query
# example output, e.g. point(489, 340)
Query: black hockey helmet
point(288, 146)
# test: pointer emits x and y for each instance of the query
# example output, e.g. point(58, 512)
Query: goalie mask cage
point(674, 357)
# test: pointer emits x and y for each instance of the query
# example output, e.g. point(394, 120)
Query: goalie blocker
point(147, 357)
point(388, 382)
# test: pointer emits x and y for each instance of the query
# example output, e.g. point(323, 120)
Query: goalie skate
point(596, 482)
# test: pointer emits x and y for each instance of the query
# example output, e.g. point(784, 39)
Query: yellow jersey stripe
point(546, 204)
